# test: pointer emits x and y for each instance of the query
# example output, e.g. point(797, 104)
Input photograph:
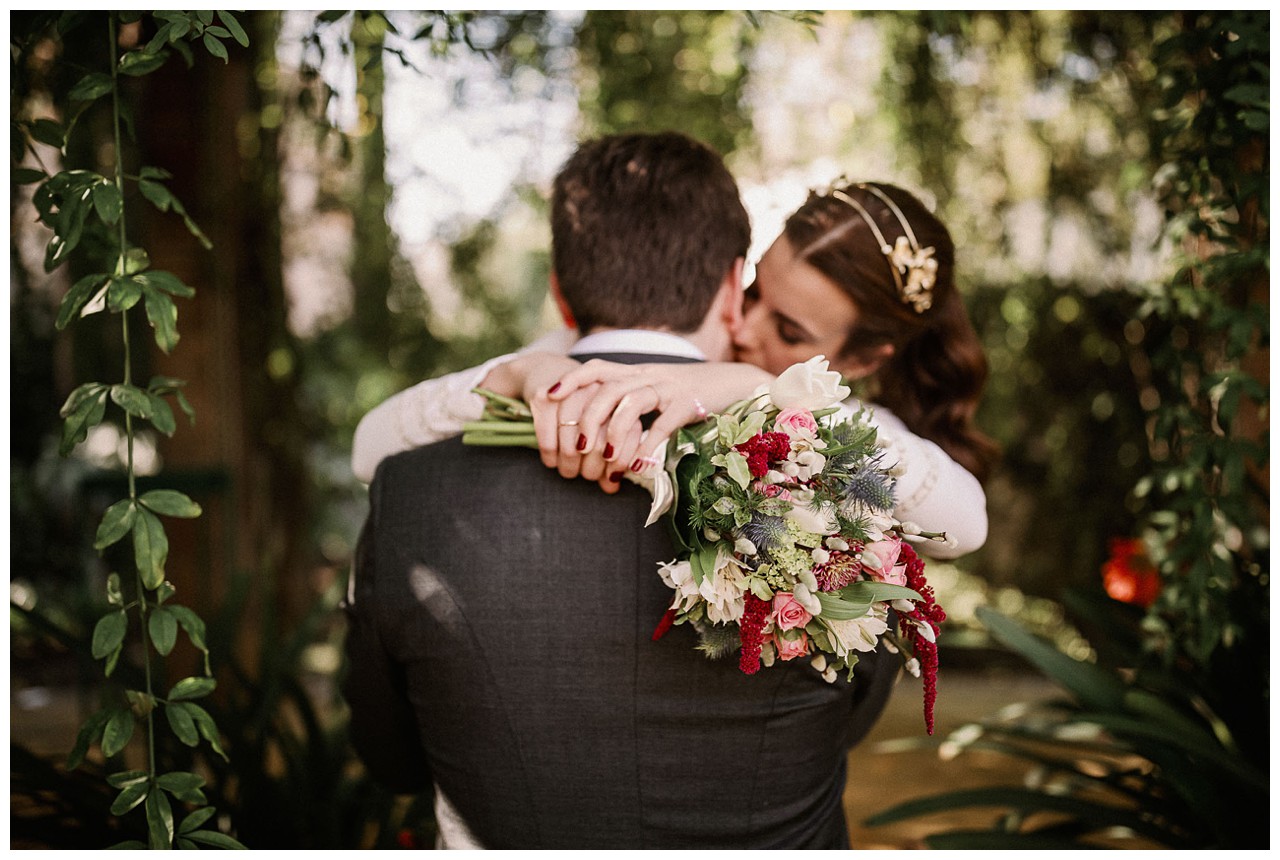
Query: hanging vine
point(74, 203)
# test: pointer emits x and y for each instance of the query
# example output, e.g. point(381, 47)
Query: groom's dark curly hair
point(644, 228)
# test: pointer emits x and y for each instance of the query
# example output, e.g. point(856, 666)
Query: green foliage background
point(1105, 175)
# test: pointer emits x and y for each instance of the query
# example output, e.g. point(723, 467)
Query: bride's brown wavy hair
point(934, 379)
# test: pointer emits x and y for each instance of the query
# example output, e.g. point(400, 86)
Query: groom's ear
point(566, 313)
point(731, 296)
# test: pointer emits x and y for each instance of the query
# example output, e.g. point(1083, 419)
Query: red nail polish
point(553, 389)
point(608, 452)
point(582, 442)
point(616, 477)
point(637, 465)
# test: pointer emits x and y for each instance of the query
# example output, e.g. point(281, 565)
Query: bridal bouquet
point(781, 509)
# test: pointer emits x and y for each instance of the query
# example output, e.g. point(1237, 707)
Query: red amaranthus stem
point(927, 612)
point(751, 631)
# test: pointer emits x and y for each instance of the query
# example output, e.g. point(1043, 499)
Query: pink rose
point(790, 649)
point(796, 422)
point(886, 552)
point(773, 491)
point(788, 614)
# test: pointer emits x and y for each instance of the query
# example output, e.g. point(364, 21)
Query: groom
point(500, 636)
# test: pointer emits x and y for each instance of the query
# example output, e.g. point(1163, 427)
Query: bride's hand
point(608, 399)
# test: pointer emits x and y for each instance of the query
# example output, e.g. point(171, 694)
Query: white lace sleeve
point(431, 410)
point(933, 491)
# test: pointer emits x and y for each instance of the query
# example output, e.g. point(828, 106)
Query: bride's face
point(792, 313)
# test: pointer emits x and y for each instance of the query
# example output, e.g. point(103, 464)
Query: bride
point(862, 274)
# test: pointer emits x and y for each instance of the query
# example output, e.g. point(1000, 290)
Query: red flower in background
point(1128, 575)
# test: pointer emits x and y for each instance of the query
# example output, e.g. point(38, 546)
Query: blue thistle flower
point(872, 488)
point(765, 532)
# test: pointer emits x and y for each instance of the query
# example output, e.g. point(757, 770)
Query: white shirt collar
point(637, 340)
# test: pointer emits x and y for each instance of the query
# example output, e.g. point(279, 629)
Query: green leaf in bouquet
point(750, 426)
point(702, 563)
point(726, 430)
point(836, 609)
point(736, 466)
point(761, 589)
point(869, 592)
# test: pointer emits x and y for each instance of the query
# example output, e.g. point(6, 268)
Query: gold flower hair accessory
point(914, 268)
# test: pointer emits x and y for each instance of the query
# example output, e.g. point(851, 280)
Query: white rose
point(808, 386)
point(678, 575)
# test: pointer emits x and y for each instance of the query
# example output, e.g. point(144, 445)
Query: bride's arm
point(933, 490)
point(437, 408)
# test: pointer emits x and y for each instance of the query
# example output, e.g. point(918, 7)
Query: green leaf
point(150, 547)
point(237, 32)
point(208, 728)
point(123, 293)
point(183, 786)
point(168, 282)
point(164, 591)
point(160, 39)
point(78, 296)
point(191, 688)
point(870, 592)
point(835, 609)
point(118, 731)
point(107, 202)
point(171, 503)
point(108, 633)
point(131, 399)
point(89, 734)
point(91, 86)
point(702, 563)
point(213, 46)
point(154, 173)
point(51, 133)
point(142, 62)
point(196, 818)
point(186, 844)
point(162, 313)
point(156, 193)
point(130, 797)
point(159, 821)
point(88, 413)
point(162, 415)
point(216, 839)
point(163, 628)
point(194, 627)
point(181, 722)
point(1095, 687)
point(205, 17)
point(27, 175)
point(126, 777)
point(116, 523)
point(736, 465)
point(186, 406)
point(142, 703)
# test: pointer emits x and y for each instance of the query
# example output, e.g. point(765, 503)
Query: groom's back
point(519, 607)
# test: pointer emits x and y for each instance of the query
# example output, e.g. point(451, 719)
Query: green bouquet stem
point(507, 423)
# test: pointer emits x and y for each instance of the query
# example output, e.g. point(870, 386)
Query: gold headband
point(905, 256)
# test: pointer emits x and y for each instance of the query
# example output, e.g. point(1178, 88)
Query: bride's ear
point(566, 313)
point(864, 363)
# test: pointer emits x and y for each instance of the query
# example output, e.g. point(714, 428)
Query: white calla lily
point(808, 386)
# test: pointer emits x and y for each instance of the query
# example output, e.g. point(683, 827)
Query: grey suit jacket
point(500, 644)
